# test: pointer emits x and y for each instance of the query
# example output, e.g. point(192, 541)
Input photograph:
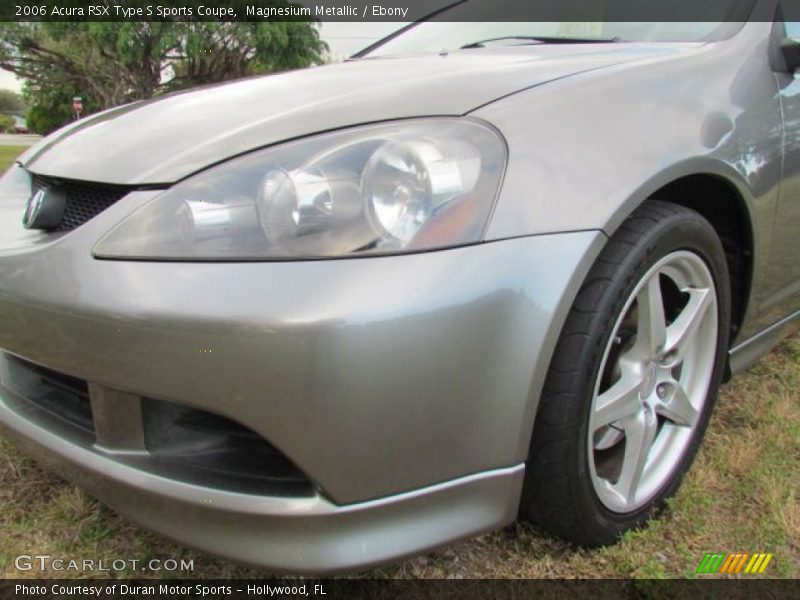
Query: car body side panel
point(622, 134)
point(375, 376)
point(783, 283)
point(745, 354)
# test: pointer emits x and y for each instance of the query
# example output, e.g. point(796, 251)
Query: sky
point(9, 82)
point(344, 40)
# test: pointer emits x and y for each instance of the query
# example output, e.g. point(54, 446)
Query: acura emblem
point(44, 209)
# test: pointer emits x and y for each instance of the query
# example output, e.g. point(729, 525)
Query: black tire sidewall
point(681, 229)
point(691, 234)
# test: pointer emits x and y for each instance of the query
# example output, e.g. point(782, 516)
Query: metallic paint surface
point(631, 118)
point(405, 387)
point(625, 131)
point(301, 535)
point(749, 351)
point(433, 361)
point(168, 139)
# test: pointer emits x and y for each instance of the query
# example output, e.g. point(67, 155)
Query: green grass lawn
point(740, 496)
point(8, 154)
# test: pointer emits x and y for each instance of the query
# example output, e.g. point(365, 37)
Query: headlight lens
point(402, 187)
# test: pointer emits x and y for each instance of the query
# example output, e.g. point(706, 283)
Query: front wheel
point(633, 378)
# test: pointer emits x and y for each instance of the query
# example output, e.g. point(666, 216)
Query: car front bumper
point(403, 387)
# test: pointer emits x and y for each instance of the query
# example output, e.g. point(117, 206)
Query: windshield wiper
point(530, 39)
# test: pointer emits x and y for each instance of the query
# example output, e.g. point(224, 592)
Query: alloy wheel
point(653, 382)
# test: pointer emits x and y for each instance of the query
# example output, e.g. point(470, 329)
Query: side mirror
point(790, 50)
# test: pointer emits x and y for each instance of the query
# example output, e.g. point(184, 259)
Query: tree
point(6, 123)
point(53, 108)
point(211, 52)
point(111, 63)
point(11, 103)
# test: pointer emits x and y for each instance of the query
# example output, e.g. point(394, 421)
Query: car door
point(783, 296)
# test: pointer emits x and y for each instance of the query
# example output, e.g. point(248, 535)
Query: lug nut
point(661, 390)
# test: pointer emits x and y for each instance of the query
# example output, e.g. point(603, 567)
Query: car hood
point(164, 140)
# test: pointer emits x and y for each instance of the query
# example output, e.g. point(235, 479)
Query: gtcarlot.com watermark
point(46, 562)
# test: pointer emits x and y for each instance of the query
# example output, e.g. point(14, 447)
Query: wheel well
point(722, 205)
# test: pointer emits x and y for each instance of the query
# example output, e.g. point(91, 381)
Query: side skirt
point(746, 353)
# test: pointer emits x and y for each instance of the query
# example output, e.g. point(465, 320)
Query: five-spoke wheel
point(633, 378)
point(653, 381)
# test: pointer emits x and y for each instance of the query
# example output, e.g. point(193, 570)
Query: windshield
point(470, 25)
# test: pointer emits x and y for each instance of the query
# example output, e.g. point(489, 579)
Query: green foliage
point(112, 63)
point(52, 107)
point(44, 119)
point(11, 103)
point(6, 123)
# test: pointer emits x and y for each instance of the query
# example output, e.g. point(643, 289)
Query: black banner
point(396, 10)
point(346, 589)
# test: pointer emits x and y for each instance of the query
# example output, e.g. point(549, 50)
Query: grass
point(741, 495)
point(8, 154)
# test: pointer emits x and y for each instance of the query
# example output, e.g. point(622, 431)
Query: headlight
point(401, 187)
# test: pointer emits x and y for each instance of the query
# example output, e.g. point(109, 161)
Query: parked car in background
point(324, 319)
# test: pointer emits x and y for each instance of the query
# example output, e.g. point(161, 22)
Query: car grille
point(84, 200)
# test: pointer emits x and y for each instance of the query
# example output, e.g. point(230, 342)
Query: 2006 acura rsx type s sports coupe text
point(323, 319)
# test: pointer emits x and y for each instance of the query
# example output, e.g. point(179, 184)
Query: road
point(14, 139)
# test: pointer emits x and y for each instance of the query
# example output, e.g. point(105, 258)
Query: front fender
point(585, 151)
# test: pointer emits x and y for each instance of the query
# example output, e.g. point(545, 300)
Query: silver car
point(324, 319)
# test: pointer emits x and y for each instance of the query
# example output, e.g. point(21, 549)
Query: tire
point(607, 451)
